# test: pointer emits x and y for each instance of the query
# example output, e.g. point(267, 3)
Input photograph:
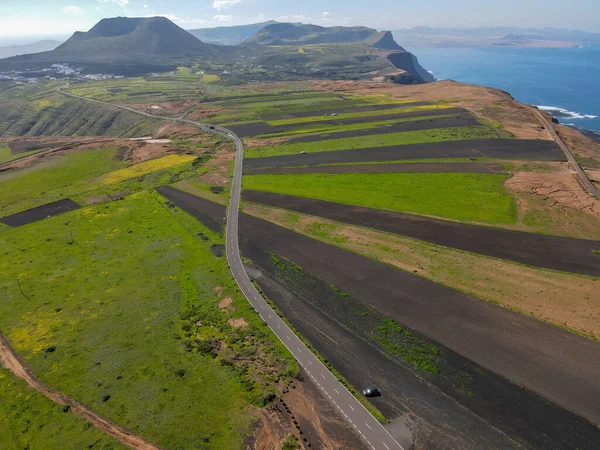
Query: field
point(569, 298)
point(461, 196)
point(410, 137)
point(323, 131)
point(135, 334)
point(30, 420)
point(37, 110)
point(54, 179)
point(551, 252)
point(359, 114)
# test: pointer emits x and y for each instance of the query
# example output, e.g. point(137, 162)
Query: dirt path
point(11, 361)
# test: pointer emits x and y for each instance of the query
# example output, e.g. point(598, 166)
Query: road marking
point(278, 326)
point(310, 362)
point(351, 407)
point(368, 425)
point(323, 376)
point(336, 391)
point(232, 226)
point(288, 338)
point(299, 349)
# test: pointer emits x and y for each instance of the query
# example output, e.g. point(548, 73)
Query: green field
point(55, 179)
point(257, 108)
point(89, 176)
point(136, 335)
point(7, 156)
point(382, 140)
point(461, 196)
point(353, 115)
point(317, 128)
point(30, 420)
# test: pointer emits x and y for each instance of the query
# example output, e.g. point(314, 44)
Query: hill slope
point(300, 34)
point(122, 37)
point(41, 46)
point(229, 35)
point(384, 40)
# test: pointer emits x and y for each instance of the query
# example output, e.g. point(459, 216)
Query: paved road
point(369, 428)
point(580, 173)
point(586, 183)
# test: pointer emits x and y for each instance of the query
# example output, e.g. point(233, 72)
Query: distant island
point(425, 37)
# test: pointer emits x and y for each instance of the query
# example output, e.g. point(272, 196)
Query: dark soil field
point(480, 148)
point(514, 346)
point(346, 110)
point(19, 147)
point(460, 118)
point(41, 212)
point(209, 213)
point(550, 252)
point(425, 124)
point(477, 403)
point(383, 168)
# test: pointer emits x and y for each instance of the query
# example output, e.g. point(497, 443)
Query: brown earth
point(170, 109)
point(579, 144)
point(237, 323)
point(320, 424)
point(225, 303)
point(560, 189)
point(10, 360)
point(218, 167)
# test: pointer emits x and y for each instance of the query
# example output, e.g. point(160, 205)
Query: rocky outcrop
point(408, 62)
point(383, 40)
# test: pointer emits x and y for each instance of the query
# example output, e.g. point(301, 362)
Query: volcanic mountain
point(122, 37)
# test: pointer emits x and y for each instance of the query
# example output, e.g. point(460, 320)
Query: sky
point(28, 18)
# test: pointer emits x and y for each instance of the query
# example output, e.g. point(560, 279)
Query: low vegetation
point(30, 420)
point(144, 168)
point(382, 140)
point(460, 196)
point(352, 115)
point(54, 179)
point(143, 338)
point(38, 110)
point(317, 128)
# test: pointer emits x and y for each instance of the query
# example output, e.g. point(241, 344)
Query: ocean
point(563, 81)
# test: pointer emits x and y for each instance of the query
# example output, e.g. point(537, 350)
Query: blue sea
point(564, 81)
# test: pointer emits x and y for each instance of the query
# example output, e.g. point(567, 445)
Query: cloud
point(223, 4)
point(73, 10)
point(116, 2)
point(223, 18)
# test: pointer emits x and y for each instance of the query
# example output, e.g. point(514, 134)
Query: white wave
point(562, 112)
point(430, 71)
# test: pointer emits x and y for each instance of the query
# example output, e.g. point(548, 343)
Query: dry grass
point(567, 300)
point(487, 103)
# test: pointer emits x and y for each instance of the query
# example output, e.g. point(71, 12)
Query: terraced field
point(461, 196)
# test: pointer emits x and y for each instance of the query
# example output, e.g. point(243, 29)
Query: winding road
point(365, 424)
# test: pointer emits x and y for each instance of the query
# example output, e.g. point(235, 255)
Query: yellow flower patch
point(144, 168)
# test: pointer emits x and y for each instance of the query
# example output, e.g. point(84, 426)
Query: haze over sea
point(566, 79)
